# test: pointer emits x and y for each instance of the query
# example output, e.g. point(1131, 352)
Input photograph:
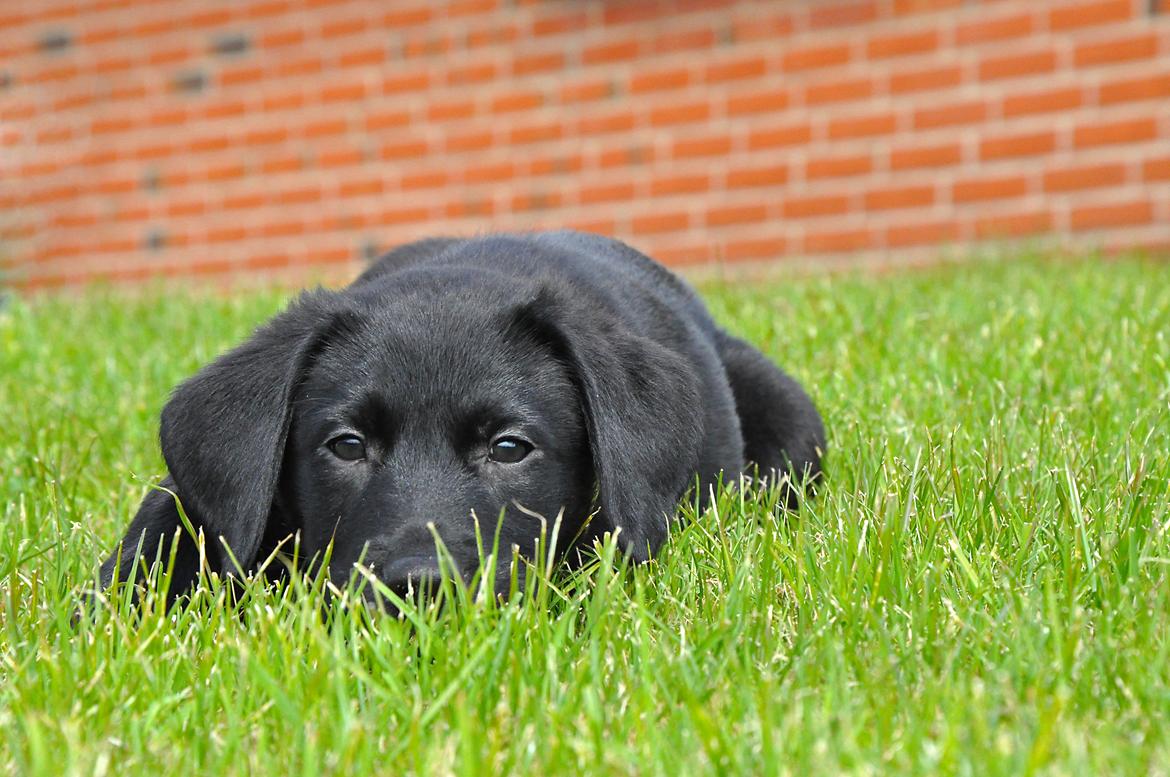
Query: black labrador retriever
point(505, 380)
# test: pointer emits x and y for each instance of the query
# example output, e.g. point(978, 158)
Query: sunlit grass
point(981, 586)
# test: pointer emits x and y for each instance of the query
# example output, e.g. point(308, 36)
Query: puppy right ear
point(223, 435)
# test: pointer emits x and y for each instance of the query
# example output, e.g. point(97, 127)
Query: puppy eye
point(348, 447)
point(509, 450)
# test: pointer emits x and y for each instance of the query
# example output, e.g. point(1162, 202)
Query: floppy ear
point(223, 434)
point(641, 405)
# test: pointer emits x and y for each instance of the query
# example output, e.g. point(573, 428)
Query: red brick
point(680, 183)
point(838, 166)
point(607, 192)
point(298, 195)
point(621, 120)
point(658, 80)
point(838, 90)
point(536, 200)
point(402, 215)
point(403, 148)
point(715, 145)
point(467, 140)
point(225, 171)
point(340, 156)
point(901, 44)
point(921, 233)
point(862, 126)
point(625, 157)
point(729, 215)
point(684, 40)
point(531, 64)
point(556, 164)
point(587, 91)
point(764, 101)
point(473, 73)
point(923, 79)
point(611, 51)
point(916, 155)
point(810, 57)
point(1123, 214)
point(779, 135)
point(361, 57)
point(335, 28)
point(1089, 14)
point(989, 188)
point(244, 200)
point(536, 133)
point(905, 7)
point(470, 7)
point(1017, 65)
point(399, 82)
point(731, 70)
point(1121, 49)
point(1044, 101)
point(814, 206)
point(1156, 169)
point(324, 128)
point(387, 119)
point(755, 248)
point(517, 101)
point(984, 30)
point(660, 222)
point(1074, 177)
point(268, 8)
point(1012, 225)
point(838, 240)
point(626, 13)
point(398, 16)
point(893, 197)
point(1004, 146)
point(469, 207)
point(757, 175)
point(283, 163)
point(950, 114)
point(1145, 87)
point(451, 110)
point(1114, 132)
point(559, 23)
point(284, 228)
point(489, 172)
point(241, 74)
point(680, 113)
point(841, 14)
point(283, 101)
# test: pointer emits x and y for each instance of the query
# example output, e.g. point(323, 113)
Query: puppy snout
point(412, 576)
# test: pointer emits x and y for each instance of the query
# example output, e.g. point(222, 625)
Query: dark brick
point(190, 81)
point(55, 41)
point(228, 44)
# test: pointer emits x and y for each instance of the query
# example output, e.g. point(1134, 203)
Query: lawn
point(982, 586)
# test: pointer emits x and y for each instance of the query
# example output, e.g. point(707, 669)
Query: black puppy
point(457, 380)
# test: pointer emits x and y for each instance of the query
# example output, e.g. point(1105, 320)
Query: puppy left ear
point(223, 431)
point(642, 413)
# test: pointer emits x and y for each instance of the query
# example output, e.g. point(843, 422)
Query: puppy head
point(435, 416)
point(379, 419)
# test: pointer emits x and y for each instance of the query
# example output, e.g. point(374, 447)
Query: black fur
point(605, 362)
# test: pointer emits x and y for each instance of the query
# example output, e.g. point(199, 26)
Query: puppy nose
point(411, 577)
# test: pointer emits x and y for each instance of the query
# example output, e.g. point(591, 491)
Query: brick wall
point(186, 137)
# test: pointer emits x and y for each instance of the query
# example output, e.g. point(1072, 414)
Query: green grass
point(983, 586)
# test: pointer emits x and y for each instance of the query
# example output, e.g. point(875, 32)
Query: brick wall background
point(179, 137)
